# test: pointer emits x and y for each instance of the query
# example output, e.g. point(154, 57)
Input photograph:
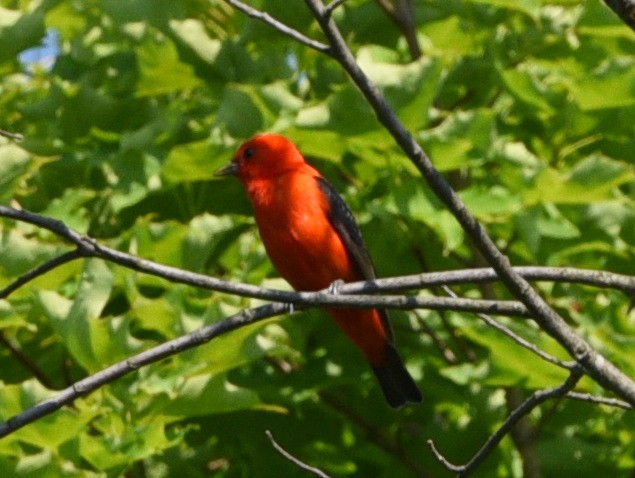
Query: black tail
point(398, 386)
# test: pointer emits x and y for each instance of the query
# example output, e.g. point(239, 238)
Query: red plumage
point(312, 239)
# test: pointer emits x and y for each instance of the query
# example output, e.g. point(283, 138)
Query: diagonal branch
point(517, 338)
point(603, 371)
point(11, 135)
point(167, 349)
point(293, 459)
point(39, 271)
point(625, 9)
point(521, 411)
point(278, 25)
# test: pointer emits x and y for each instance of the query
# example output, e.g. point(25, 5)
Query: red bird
point(312, 239)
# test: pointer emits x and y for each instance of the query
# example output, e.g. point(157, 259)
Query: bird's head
point(265, 155)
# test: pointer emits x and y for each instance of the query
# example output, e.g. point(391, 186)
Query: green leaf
point(76, 322)
point(511, 364)
point(19, 31)
point(487, 204)
point(14, 164)
point(208, 394)
point(50, 431)
point(460, 140)
point(240, 111)
point(194, 161)
point(409, 88)
point(613, 88)
point(192, 32)
point(592, 180)
point(524, 85)
point(160, 69)
point(69, 208)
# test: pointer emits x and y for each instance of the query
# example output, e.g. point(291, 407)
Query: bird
point(313, 241)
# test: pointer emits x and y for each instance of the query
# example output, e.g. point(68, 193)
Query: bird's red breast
point(312, 239)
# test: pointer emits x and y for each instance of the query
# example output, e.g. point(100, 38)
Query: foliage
point(526, 106)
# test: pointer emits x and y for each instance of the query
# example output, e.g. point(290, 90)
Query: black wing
point(342, 219)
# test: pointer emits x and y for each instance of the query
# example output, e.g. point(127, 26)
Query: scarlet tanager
point(313, 240)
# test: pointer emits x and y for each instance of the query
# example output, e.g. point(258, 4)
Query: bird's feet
point(335, 287)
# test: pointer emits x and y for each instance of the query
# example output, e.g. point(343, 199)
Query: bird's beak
point(230, 169)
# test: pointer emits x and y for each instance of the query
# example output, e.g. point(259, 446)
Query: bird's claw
point(335, 287)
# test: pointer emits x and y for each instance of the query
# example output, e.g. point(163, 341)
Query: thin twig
point(517, 338)
point(293, 459)
point(448, 354)
point(39, 271)
point(610, 402)
point(89, 247)
point(26, 362)
point(278, 25)
point(333, 5)
point(521, 411)
point(10, 135)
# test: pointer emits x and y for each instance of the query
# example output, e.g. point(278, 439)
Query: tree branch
point(625, 9)
point(89, 247)
point(293, 459)
point(10, 135)
point(39, 271)
point(610, 402)
point(402, 12)
point(514, 417)
point(167, 349)
point(598, 367)
point(26, 362)
point(518, 339)
point(287, 30)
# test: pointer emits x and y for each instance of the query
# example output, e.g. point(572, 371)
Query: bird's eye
point(248, 153)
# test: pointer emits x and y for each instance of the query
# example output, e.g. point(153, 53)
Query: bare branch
point(10, 135)
point(281, 27)
point(38, 271)
point(595, 278)
point(26, 362)
point(521, 411)
point(293, 459)
point(611, 402)
point(333, 5)
point(167, 349)
point(625, 9)
point(402, 12)
point(518, 339)
point(88, 247)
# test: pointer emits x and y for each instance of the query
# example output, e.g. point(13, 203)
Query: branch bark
point(172, 347)
point(597, 366)
point(512, 420)
point(625, 9)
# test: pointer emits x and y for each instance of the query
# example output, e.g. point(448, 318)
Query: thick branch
point(598, 367)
